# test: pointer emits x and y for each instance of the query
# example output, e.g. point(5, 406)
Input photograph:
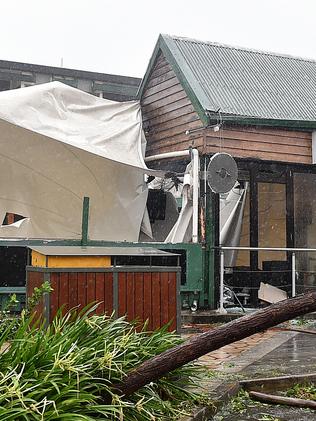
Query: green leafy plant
point(303, 391)
point(37, 296)
point(239, 402)
point(7, 317)
point(300, 321)
point(63, 372)
point(268, 417)
point(10, 304)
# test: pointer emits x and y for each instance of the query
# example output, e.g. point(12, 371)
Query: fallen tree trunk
point(206, 342)
point(282, 400)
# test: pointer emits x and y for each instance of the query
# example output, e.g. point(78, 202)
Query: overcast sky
point(119, 36)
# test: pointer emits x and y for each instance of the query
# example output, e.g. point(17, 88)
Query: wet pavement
point(296, 355)
point(222, 358)
point(261, 412)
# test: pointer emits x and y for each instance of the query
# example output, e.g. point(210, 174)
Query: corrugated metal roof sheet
point(245, 82)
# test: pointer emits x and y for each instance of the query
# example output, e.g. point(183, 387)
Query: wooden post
point(85, 221)
point(206, 342)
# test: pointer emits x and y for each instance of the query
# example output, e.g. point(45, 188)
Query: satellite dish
point(222, 173)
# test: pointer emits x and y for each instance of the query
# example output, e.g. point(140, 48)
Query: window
point(271, 221)
point(98, 94)
point(26, 84)
point(4, 85)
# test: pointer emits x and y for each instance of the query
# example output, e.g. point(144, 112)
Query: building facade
point(114, 87)
point(260, 108)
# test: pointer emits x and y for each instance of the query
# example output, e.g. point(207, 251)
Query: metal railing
point(293, 252)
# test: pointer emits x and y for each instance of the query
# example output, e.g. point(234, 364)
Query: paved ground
point(220, 359)
point(269, 354)
point(296, 355)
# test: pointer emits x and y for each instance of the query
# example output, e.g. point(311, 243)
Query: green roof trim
point(186, 77)
point(166, 46)
point(249, 121)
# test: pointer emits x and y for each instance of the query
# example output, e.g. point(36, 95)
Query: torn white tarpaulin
point(59, 144)
point(232, 207)
point(182, 230)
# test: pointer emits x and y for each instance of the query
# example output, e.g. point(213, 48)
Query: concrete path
point(269, 354)
point(295, 354)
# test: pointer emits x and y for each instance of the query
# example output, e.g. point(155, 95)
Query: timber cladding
point(261, 143)
point(168, 112)
point(150, 295)
point(168, 115)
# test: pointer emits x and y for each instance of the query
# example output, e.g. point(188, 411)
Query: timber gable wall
point(168, 114)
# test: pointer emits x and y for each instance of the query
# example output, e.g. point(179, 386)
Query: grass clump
point(63, 372)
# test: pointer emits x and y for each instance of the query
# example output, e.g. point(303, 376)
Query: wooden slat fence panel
point(141, 295)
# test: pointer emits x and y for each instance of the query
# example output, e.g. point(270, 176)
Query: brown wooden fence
point(143, 292)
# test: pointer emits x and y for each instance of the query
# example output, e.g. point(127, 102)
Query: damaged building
point(258, 107)
point(200, 102)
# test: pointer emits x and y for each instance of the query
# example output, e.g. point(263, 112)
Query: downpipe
point(195, 198)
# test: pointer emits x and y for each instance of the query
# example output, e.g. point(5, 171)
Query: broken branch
point(282, 400)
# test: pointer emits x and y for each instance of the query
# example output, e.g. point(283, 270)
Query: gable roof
point(245, 85)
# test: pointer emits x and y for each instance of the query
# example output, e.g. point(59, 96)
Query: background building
point(117, 88)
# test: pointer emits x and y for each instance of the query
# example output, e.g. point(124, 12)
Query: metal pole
point(292, 249)
point(293, 275)
point(221, 285)
point(195, 195)
point(167, 155)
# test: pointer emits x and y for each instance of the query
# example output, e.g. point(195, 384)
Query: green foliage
point(239, 402)
point(300, 321)
point(66, 371)
point(10, 304)
point(303, 391)
point(268, 417)
point(242, 401)
point(6, 317)
point(37, 295)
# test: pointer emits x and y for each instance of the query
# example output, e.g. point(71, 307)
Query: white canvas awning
point(59, 144)
point(232, 207)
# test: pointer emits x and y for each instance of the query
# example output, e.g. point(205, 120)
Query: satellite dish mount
point(222, 173)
